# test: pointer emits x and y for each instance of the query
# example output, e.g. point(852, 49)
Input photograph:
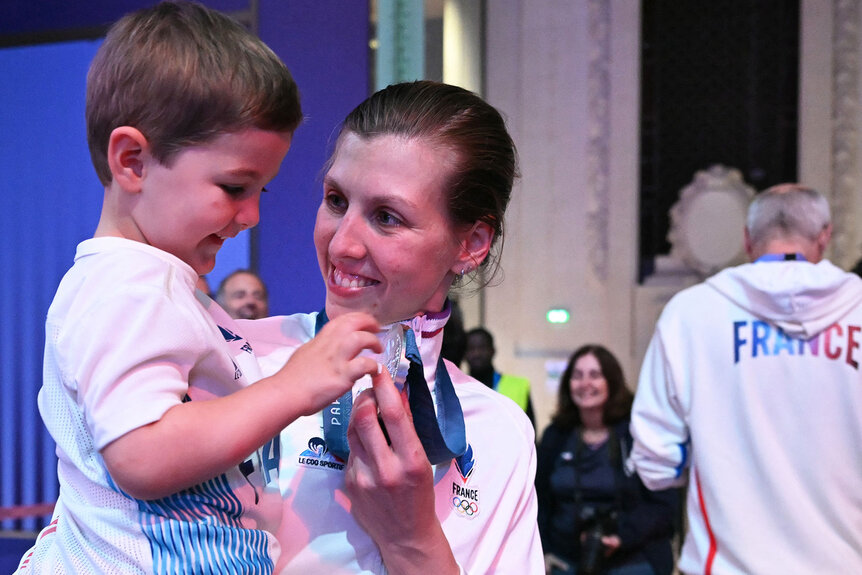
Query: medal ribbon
point(442, 434)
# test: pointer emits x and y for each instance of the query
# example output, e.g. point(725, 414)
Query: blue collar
point(781, 258)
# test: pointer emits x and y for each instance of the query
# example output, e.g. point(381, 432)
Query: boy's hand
point(328, 365)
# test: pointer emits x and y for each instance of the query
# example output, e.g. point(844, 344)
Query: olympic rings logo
point(465, 506)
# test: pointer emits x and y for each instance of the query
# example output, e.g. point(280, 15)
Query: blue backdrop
point(51, 201)
point(52, 197)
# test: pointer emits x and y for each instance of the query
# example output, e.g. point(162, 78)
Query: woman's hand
point(611, 543)
point(554, 562)
point(383, 476)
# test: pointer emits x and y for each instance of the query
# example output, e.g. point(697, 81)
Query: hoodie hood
point(799, 297)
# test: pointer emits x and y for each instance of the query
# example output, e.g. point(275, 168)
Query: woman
point(595, 515)
point(413, 200)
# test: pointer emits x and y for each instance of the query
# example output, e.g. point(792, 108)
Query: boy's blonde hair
point(184, 74)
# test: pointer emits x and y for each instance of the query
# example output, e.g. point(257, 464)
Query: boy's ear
point(127, 150)
point(475, 245)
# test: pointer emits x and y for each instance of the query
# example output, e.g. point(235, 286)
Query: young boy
point(166, 457)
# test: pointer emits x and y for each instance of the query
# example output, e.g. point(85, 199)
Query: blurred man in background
point(480, 357)
point(243, 295)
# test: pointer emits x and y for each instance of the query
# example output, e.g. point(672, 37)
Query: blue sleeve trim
point(683, 448)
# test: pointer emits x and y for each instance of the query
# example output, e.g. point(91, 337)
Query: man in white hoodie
point(751, 393)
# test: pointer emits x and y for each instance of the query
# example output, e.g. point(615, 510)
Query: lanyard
point(442, 434)
point(780, 258)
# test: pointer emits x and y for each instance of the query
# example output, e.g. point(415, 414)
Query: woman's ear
point(475, 245)
point(127, 149)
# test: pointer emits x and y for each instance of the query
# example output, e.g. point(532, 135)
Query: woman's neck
point(591, 420)
point(593, 431)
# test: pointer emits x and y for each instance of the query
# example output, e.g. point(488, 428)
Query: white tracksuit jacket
point(751, 391)
point(485, 500)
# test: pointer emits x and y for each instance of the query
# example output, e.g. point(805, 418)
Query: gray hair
point(787, 210)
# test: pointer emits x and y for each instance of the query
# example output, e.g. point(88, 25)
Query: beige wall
point(566, 73)
point(554, 68)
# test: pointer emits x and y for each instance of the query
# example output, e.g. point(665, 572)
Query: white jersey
point(127, 339)
point(485, 500)
point(751, 391)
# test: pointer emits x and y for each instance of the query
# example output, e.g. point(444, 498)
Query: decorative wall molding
point(707, 221)
point(598, 136)
point(845, 132)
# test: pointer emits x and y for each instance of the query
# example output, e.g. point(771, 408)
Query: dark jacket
point(646, 520)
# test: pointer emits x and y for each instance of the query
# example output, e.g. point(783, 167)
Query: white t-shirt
point(485, 500)
point(127, 339)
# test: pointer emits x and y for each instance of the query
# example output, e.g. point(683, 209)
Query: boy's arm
point(195, 441)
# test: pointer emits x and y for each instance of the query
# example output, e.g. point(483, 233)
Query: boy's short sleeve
point(131, 357)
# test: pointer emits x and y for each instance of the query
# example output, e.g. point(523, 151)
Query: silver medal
point(393, 348)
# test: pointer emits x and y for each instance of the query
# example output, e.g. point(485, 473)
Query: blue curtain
point(51, 201)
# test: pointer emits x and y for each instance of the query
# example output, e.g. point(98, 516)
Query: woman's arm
point(648, 515)
point(652, 517)
point(548, 450)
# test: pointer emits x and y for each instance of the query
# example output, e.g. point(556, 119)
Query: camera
point(595, 522)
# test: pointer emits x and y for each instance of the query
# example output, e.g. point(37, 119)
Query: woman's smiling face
point(588, 386)
point(384, 239)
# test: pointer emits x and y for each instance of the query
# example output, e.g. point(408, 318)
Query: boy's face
point(210, 192)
